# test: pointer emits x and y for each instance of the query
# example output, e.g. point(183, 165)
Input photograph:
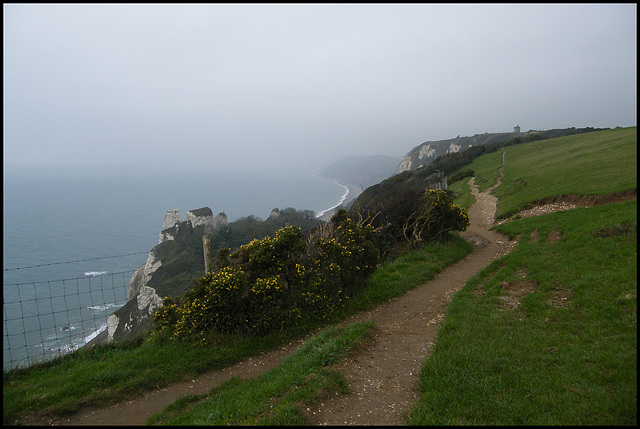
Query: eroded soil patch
point(514, 291)
point(569, 202)
point(535, 236)
point(615, 231)
point(560, 298)
point(554, 236)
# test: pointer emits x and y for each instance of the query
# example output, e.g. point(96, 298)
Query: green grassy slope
point(547, 335)
point(597, 163)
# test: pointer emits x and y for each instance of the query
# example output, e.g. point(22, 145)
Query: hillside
point(429, 151)
point(384, 197)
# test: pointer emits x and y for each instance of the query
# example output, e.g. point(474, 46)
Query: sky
point(283, 86)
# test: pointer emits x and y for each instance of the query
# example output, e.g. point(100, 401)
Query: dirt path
point(384, 377)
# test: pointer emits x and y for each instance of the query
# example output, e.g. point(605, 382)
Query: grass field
point(546, 335)
point(598, 163)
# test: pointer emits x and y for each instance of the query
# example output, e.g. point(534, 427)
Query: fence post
point(207, 253)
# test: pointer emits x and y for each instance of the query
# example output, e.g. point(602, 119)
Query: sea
point(72, 239)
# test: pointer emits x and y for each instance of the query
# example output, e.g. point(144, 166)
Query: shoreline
point(353, 191)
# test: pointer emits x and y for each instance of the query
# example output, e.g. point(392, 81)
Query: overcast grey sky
point(278, 85)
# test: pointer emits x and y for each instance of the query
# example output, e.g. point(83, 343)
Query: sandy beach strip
point(354, 192)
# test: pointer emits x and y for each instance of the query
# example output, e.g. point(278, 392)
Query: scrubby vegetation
point(270, 283)
point(103, 375)
point(389, 204)
point(182, 258)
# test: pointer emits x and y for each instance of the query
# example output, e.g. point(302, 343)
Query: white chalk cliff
point(136, 316)
point(425, 153)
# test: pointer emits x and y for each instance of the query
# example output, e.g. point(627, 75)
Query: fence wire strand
point(71, 262)
point(44, 320)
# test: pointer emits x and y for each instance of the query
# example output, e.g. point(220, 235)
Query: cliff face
point(136, 316)
point(427, 152)
point(203, 216)
point(178, 258)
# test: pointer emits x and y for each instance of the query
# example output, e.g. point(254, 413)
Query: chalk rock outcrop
point(136, 316)
point(171, 219)
point(203, 216)
point(219, 221)
point(142, 275)
point(405, 165)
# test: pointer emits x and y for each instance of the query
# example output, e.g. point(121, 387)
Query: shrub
point(461, 175)
point(216, 302)
point(270, 283)
point(440, 216)
point(409, 216)
point(346, 255)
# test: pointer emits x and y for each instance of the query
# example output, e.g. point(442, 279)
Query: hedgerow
point(409, 217)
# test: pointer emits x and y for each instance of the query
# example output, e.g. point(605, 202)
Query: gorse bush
point(269, 283)
point(440, 216)
point(411, 216)
point(342, 258)
point(272, 283)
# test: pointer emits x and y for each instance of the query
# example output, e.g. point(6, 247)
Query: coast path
point(383, 377)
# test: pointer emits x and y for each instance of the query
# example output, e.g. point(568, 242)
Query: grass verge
point(546, 335)
point(275, 397)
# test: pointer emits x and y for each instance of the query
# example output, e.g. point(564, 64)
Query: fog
point(276, 86)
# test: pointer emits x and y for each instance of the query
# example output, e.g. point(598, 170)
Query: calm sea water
point(52, 217)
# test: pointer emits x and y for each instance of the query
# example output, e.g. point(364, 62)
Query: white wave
point(53, 344)
point(104, 307)
point(92, 335)
point(94, 273)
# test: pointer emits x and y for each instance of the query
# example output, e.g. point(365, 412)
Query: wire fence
point(71, 262)
point(44, 320)
point(47, 319)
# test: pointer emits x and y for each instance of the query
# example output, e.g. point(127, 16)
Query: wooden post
point(207, 253)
